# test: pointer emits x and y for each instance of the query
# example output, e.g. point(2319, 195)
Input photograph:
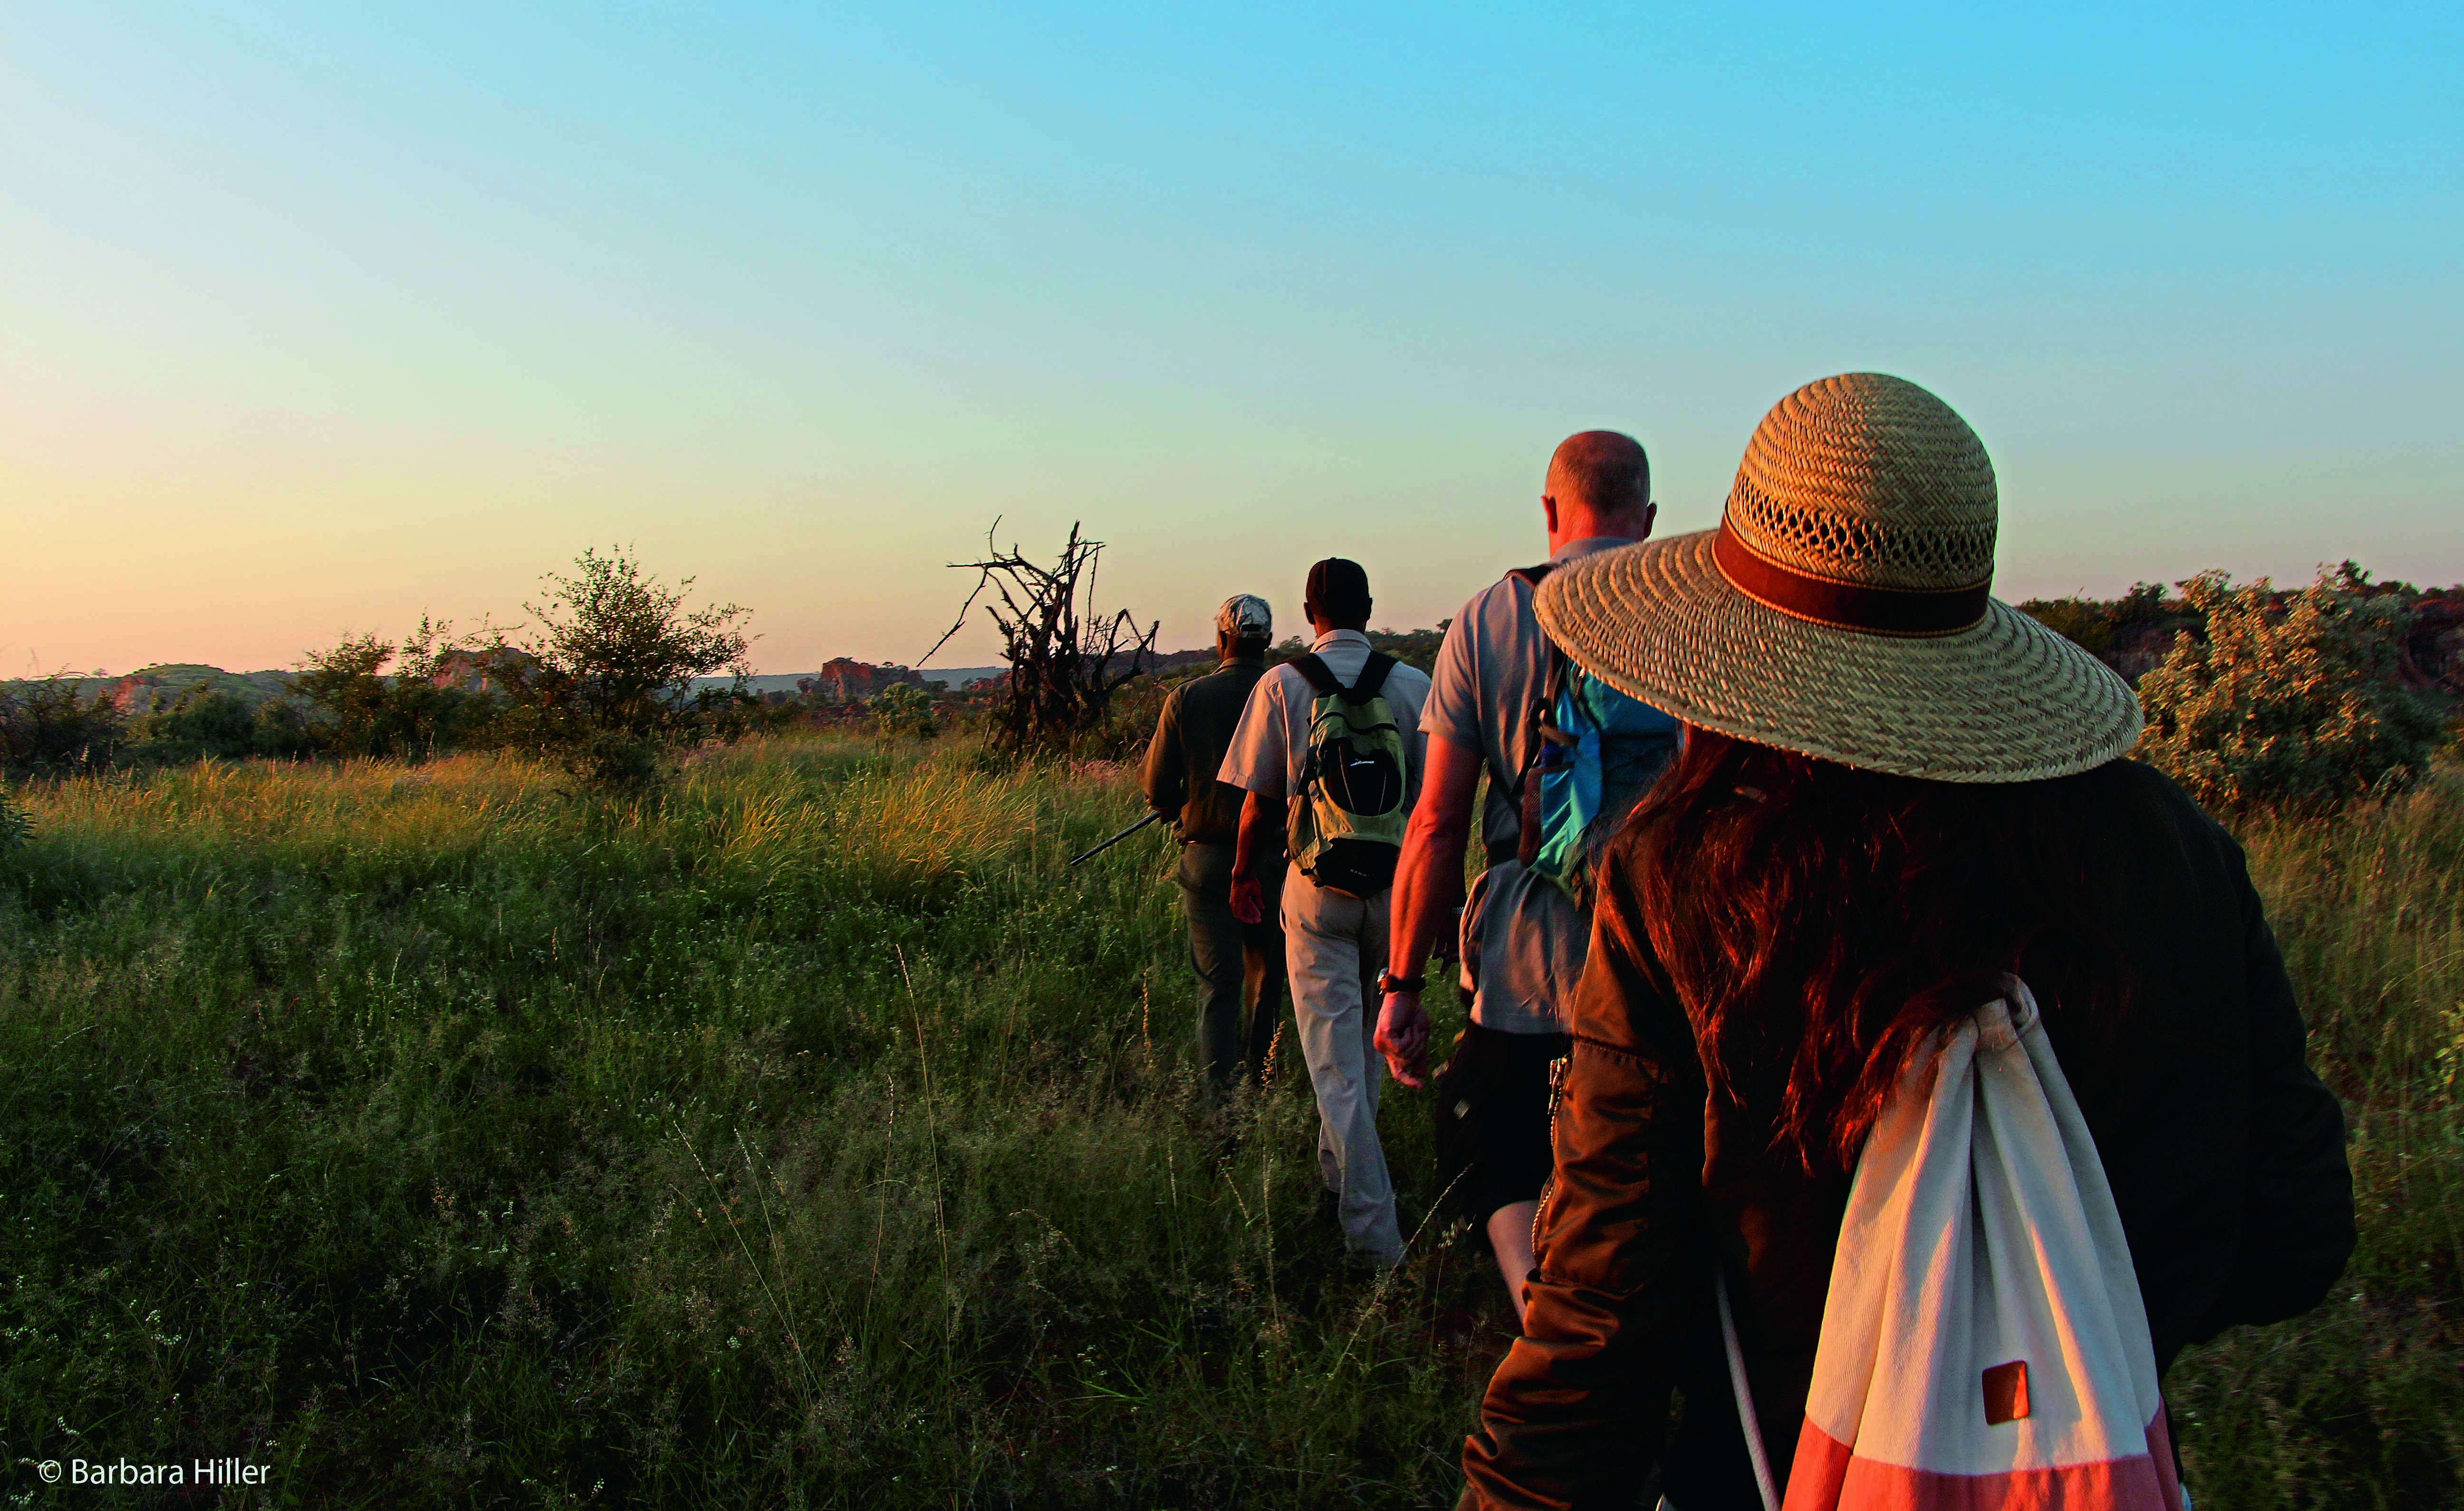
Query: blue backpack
point(1596, 752)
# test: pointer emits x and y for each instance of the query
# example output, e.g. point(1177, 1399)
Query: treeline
point(2255, 695)
point(602, 682)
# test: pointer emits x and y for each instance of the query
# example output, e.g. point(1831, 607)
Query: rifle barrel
point(1097, 849)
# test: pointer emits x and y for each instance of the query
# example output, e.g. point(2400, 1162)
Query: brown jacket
point(2225, 1153)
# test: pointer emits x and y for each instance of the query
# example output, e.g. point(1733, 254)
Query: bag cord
point(1746, 1417)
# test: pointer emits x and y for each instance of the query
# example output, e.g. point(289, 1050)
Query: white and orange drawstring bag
point(1984, 1344)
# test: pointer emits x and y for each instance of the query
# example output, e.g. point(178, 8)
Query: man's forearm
point(1260, 838)
point(1428, 876)
point(1428, 890)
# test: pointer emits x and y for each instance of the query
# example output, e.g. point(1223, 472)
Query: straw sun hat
point(1841, 607)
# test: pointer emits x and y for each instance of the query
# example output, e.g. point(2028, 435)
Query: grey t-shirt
point(1523, 939)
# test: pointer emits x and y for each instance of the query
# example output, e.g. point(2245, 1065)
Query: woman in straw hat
point(1894, 788)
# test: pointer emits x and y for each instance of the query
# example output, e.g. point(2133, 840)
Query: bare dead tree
point(1061, 653)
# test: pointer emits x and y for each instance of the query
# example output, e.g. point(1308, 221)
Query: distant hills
point(148, 687)
point(162, 684)
point(839, 680)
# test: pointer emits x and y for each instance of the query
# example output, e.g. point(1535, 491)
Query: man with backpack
point(1240, 966)
point(1566, 758)
point(1329, 751)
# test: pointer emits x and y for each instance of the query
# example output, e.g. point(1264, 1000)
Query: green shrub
point(49, 728)
point(2296, 703)
point(210, 724)
point(603, 685)
point(356, 708)
point(903, 708)
point(200, 723)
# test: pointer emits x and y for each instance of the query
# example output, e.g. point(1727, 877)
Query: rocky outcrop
point(845, 680)
point(476, 671)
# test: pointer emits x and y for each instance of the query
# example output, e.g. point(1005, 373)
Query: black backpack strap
point(1371, 678)
point(1526, 795)
point(1533, 577)
point(1320, 675)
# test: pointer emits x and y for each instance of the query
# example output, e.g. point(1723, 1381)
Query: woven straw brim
point(2006, 700)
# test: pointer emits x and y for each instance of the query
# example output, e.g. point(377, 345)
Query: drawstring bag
point(1983, 1344)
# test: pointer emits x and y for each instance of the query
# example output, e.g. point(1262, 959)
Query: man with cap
point(1334, 941)
point(1240, 966)
point(1522, 937)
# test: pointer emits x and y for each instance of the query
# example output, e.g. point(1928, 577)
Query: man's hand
point(1260, 844)
point(1404, 1037)
point(1248, 899)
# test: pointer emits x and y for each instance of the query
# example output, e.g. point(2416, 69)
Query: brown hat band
point(1846, 605)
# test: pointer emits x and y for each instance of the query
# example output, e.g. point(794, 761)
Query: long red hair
point(1818, 923)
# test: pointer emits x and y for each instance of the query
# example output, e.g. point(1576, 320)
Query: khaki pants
point(1239, 969)
point(1334, 946)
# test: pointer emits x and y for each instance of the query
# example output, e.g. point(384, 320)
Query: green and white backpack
point(1346, 832)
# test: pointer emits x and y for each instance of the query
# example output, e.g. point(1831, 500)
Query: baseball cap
point(1244, 617)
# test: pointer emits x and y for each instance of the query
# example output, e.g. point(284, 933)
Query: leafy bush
point(357, 708)
point(49, 726)
point(2295, 706)
point(16, 824)
point(211, 724)
point(903, 708)
point(604, 686)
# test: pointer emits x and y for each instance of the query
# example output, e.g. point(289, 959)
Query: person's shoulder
point(1223, 682)
point(2135, 806)
point(1407, 675)
point(1278, 681)
point(2138, 785)
point(1508, 598)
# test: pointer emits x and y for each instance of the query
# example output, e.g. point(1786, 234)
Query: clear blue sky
point(312, 318)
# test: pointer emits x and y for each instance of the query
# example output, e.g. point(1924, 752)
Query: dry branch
point(1061, 653)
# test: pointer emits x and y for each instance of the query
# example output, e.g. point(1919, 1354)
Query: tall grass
point(2360, 1404)
point(811, 1135)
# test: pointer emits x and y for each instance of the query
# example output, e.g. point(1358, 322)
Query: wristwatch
point(1390, 985)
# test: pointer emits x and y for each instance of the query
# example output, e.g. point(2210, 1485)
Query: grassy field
point(811, 1136)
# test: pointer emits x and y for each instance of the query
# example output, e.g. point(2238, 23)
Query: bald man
point(1522, 937)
